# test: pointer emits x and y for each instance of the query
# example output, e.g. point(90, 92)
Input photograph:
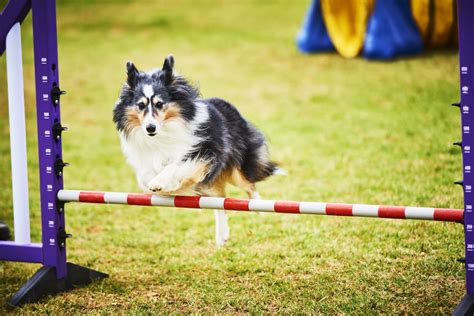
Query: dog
point(179, 143)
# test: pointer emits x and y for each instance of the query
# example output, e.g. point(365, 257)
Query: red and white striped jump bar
point(231, 204)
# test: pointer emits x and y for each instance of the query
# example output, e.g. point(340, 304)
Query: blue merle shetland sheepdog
point(180, 143)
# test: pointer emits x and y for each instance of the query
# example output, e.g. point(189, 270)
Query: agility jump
point(57, 275)
point(271, 206)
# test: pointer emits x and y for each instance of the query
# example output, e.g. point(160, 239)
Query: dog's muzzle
point(151, 129)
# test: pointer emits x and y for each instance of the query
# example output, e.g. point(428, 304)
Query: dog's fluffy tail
point(279, 172)
point(272, 169)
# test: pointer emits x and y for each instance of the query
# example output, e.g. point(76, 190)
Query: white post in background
point(16, 106)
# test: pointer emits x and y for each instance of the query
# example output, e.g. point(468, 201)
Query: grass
point(346, 130)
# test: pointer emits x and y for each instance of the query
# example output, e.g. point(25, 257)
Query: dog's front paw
point(163, 185)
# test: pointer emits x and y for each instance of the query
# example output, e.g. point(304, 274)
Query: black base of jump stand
point(465, 307)
point(44, 283)
point(4, 231)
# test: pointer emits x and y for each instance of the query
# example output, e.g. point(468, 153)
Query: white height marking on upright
point(16, 103)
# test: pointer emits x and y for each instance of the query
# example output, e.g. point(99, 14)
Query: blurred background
point(356, 130)
point(378, 29)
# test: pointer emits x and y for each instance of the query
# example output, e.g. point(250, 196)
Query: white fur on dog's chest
point(149, 155)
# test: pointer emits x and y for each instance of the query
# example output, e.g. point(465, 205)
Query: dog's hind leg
point(222, 227)
point(254, 195)
point(252, 192)
point(220, 216)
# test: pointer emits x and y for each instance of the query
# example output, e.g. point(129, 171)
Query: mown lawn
point(346, 131)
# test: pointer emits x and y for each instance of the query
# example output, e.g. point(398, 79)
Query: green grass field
point(346, 130)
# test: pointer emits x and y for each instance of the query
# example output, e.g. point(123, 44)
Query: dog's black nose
point(151, 128)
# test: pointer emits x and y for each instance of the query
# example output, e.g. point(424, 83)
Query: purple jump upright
point(466, 69)
point(56, 275)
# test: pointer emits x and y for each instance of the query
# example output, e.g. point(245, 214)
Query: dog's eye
point(141, 106)
point(159, 105)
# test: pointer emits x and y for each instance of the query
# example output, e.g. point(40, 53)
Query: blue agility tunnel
point(392, 31)
point(313, 36)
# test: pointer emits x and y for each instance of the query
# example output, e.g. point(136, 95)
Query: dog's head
point(149, 100)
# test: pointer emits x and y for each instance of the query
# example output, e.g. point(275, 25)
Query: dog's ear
point(168, 69)
point(132, 74)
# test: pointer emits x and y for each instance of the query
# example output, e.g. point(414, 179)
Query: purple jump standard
point(57, 275)
point(466, 70)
